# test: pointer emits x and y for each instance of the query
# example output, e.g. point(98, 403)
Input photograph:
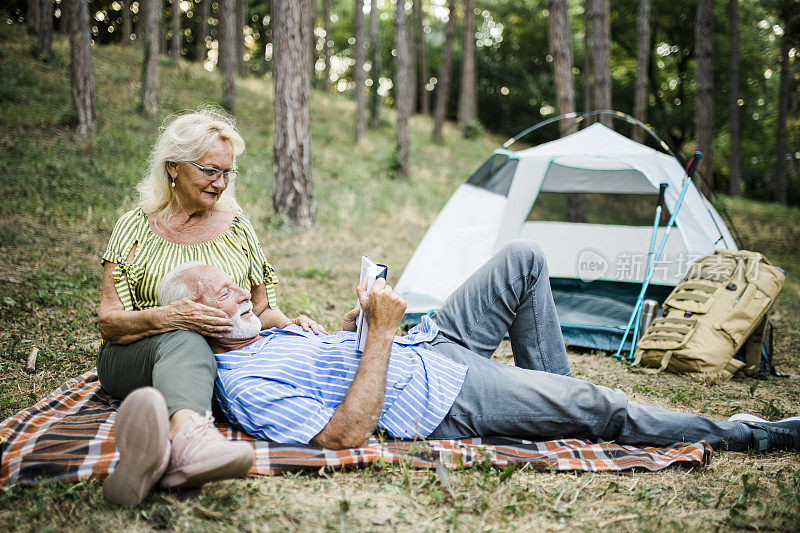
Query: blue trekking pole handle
point(659, 206)
point(687, 180)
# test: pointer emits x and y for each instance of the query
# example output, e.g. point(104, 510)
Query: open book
point(370, 271)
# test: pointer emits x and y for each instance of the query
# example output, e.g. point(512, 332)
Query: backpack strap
point(752, 347)
point(664, 363)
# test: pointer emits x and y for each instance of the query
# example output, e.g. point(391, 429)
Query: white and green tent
point(595, 269)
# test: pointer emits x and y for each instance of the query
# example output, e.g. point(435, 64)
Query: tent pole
point(659, 206)
point(687, 181)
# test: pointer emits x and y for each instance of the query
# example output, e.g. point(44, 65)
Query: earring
point(173, 183)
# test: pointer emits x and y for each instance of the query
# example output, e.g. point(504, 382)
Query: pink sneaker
point(200, 453)
point(142, 434)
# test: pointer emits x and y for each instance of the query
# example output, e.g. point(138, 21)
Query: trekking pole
point(661, 189)
point(687, 181)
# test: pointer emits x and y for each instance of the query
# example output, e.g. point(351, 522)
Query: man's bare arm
point(356, 418)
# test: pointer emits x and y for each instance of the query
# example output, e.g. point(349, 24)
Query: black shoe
point(781, 435)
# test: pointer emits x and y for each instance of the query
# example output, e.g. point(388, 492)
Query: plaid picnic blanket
point(69, 436)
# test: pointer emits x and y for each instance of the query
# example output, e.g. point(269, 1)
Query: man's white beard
point(244, 328)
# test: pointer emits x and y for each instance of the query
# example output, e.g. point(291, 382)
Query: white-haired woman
point(187, 211)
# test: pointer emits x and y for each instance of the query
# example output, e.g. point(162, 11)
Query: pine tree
point(601, 60)
point(561, 49)
point(375, 70)
point(422, 48)
point(558, 30)
point(127, 24)
point(312, 40)
point(326, 45)
point(401, 90)
point(45, 34)
point(202, 31)
point(291, 154)
point(358, 68)
point(228, 47)
point(790, 15)
point(412, 56)
point(467, 90)
point(735, 157)
point(152, 43)
point(588, 68)
point(81, 69)
point(642, 64)
point(32, 15)
point(443, 86)
point(704, 78)
point(241, 22)
point(175, 42)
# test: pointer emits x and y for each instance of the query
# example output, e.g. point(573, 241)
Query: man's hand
point(384, 308)
point(357, 416)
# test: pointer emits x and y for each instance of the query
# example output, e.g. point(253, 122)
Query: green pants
point(179, 364)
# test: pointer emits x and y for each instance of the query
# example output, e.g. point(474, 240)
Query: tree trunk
point(601, 60)
point(152, 42)
point(202, 31)
point(227, 48)
point(81, 70)
point(735, 158)
point(467, 96)
point(412, 56)
point(64, 26)
point(422, 47)
point(45, 41)
point(704, 76)
point(127, 26)
point(241, 22)
point(588, 69)
point(138, 21)
point(312, 40)
point(781, 194)
point(375, 69)
point(326, 46)
point(443, 86)
point(358, 68)
point(401, 90)
point(642, 64)
point(32, 15)
point(164, 40)
point(177, 33)
point(291, 153)
point(558, 30)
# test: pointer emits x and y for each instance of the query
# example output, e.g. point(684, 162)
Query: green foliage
point(473, 129)
point(737, 515)
point(515, 80)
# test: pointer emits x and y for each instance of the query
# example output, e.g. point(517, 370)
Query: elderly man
point(290, 385)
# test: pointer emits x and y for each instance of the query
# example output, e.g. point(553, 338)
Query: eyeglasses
point(213, 173)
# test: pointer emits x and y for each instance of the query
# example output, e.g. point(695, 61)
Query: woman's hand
point(307, 324)
point(187, 313)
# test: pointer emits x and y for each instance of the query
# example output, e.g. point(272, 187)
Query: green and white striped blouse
point(236, 252)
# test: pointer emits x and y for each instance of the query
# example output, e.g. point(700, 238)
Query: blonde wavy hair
point(186, 136)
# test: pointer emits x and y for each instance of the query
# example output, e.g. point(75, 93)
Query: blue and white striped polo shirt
point(286, 386)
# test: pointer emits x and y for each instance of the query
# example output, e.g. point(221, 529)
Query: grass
point(61, 196)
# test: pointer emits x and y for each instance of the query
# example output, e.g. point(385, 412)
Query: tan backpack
point(721, 304)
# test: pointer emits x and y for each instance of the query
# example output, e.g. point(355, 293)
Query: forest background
point(513, 75)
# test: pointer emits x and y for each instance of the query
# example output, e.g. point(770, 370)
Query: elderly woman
point(187, 211)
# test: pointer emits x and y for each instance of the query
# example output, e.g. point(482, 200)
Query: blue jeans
point(538, 398)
